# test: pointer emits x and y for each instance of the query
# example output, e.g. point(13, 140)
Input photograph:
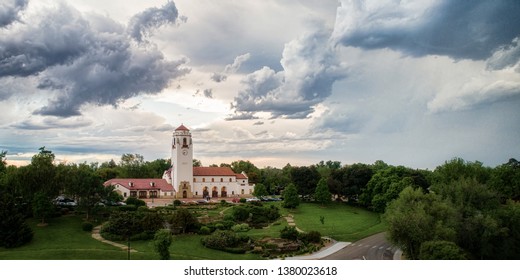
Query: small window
point(203, 180)
point(212, 180)
point(221, 180)
point(231, 180)
point(194, 179)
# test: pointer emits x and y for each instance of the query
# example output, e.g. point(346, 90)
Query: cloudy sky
point(411, 83)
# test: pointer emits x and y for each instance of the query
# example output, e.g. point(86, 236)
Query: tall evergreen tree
point(322, 194)
point(290, 197)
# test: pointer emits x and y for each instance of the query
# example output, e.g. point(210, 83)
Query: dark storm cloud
point(85, 62)
point(506, 56)
point(145, 22)
point(10, 11)
point(459, 29)
point(310, 68)
point(59, 37)
point(52, 123)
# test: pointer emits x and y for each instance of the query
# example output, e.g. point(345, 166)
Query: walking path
point(97, 236)
point(334, 247)
point(325, 251)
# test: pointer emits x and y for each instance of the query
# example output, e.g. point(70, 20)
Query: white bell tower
point(182, 161)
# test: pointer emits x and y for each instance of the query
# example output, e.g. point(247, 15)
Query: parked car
point(112, 203)
point(64, 201)
point(252, 199)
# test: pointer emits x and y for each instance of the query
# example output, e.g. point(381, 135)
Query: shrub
point(177, 202)
point(255, 215)
point(142, 208)
point(126, 208)
point(223, 240)
point(240, 228)
point(14, 232)
point(240, 213)
point(204, 230)
point(135, 201)
point(86, 226)
point(256, 203)
point(223, 202)
point(289, 232)
point(311, 237)
point(162, 241)
point(243, 200)
point(151, 222)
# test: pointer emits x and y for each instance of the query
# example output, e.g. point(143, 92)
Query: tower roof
point(182, 127)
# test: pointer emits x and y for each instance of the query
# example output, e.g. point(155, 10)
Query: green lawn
point(63, 238)
point(341, 222)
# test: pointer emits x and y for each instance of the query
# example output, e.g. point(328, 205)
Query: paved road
point(374, 247)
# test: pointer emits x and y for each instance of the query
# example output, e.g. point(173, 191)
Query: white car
point(63, 201)
point(252, 199)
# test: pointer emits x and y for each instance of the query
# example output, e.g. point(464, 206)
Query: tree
point(3, 164)
point(326, 168)
point(133, 166)
point(183, 219)
point(387, 183)
point(251, 170)
point(322, 194)
point(14, 232)
point(457, 168)
point(88, 189)
point(42, 207)
point(290, 197)
point(350, 181)
point(196, 163)
point(162, 241)
point(125, 224)
point(41, 174)
point(415, 217)
point(505, 180)
point(260, 190)
point(274, 178)
point(305, 178)
point(441, 250)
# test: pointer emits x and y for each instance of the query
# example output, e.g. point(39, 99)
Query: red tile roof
point(241, 176)
point(182, 127)
point(213, 171)
point(141, 184)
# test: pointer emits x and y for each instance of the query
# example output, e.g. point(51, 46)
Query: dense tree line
point(469, 212)
point(35, 186)
point(464, 208)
